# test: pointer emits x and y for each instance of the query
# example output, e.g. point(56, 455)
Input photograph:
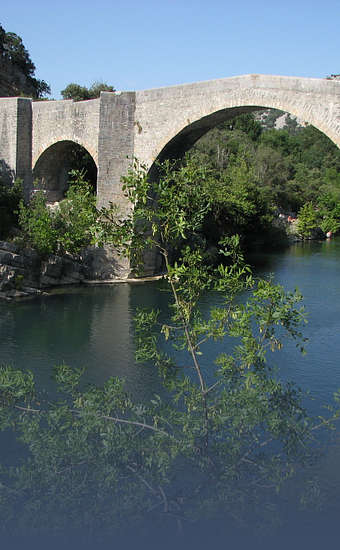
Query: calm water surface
point(91, 327)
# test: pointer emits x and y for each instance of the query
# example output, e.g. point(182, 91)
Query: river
point(91, 327)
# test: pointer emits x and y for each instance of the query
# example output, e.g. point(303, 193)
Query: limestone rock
point(52, 267)
point(105, 263)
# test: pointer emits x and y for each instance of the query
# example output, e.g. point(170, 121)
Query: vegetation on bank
point(288, 168)
point(65, 229)
point(10, 197)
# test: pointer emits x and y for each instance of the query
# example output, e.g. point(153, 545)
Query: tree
point(13, 51)
point(81, 93)
point(247, 123)
point(308, 220)
point(291, 166)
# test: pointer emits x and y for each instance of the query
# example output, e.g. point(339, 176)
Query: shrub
point(308, 220)
point(69, 227)
point(38, 224)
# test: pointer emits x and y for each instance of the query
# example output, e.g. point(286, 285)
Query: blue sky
point(136, 45)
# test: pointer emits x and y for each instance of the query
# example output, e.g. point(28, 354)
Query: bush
point(37, 223)
point(330, 223)
point(77, 215)
point(69, 227)
point(308, 220)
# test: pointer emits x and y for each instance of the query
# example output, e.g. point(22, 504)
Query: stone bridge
point(36, 137)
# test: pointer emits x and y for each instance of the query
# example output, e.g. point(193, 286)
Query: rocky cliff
point(14, 82)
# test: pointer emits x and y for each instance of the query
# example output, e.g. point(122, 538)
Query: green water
point(92, 326)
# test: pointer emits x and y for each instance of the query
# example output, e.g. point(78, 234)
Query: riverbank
point(24, 274)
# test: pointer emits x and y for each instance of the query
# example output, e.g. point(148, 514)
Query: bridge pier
point(16, 140)
point(115, 144)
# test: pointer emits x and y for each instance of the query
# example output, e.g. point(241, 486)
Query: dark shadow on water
point(212, 536)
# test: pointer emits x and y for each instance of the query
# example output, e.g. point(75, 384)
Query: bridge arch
point(51, 169)
point(175, 145)
point(168, 120)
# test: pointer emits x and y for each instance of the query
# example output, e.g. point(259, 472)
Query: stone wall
point(24, 140)
point(8, 137)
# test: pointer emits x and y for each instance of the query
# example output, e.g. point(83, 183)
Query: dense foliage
point(65, 229)
point(288, 168)
point(240, 176)
point(222, 203)
point(13, 50)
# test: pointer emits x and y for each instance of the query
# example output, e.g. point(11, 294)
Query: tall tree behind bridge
point(80, 93)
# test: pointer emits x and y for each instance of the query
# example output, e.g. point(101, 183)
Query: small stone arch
point(51, 170)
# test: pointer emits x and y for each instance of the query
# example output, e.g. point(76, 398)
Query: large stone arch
point(51, 169)
point(187, 136)
point(119, 126)
point(178, 145)
point(170, 120)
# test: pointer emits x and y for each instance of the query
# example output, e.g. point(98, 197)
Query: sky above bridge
point(143, 44)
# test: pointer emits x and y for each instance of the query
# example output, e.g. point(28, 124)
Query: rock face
point(290, 227)
point(22, 271)
point(14, 82)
